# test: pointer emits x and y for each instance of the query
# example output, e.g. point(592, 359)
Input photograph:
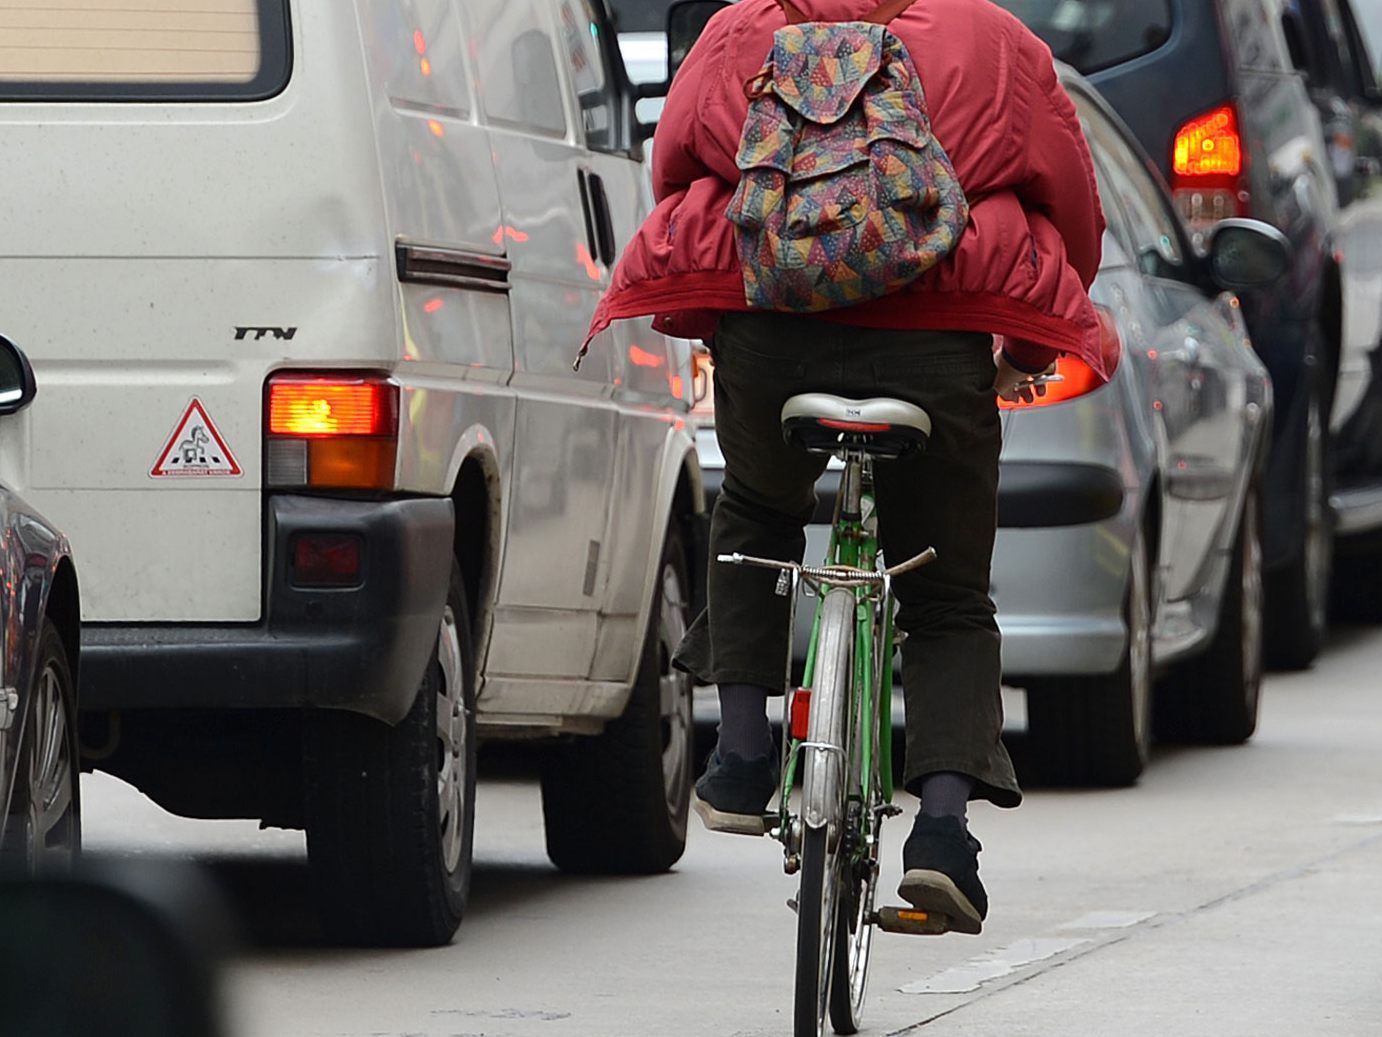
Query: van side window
point(584, 48)
point(416, 50)
point(518, 67)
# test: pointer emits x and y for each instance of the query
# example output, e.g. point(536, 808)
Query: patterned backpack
point(844, 195)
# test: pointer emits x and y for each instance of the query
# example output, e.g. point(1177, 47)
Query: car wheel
point(390, 811)
point(1298, 594)
point(46, 810)
point(1214, 698)
point(1097, 730)
point(617, 803)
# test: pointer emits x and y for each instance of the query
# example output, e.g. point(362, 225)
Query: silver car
point(1129, 544)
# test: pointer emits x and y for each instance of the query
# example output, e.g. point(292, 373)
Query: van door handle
point(590, 243)
point(603, 218)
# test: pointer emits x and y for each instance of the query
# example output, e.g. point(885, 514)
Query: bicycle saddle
point(822, 424)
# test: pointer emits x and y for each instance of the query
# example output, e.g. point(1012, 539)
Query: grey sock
point(946, 794)
point(744, 728)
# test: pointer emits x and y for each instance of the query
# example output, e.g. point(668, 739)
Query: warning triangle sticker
point(195, 449)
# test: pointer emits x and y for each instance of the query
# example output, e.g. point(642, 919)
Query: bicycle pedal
point(908, 921)
point(889, 810)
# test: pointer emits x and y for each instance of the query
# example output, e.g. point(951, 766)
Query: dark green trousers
point(945, 497)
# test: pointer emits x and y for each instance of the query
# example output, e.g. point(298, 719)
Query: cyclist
point(1020, 271)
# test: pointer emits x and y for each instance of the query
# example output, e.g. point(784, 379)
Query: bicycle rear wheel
point(823, 783)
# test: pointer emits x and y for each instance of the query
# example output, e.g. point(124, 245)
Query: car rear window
point(123, 50)
point(1094, 34)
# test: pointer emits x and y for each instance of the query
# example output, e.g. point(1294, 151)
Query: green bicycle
point(838, 725)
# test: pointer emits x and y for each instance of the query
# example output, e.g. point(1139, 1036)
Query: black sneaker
point(733, 793)
point(940, 861)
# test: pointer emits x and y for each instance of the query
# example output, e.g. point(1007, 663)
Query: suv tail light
point(336, 431)
point(1209, 168)
point(1078, 378)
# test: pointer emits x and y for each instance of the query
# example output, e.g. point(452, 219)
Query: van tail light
point(1209, 168)
point(1078, 378)
point(335, 431)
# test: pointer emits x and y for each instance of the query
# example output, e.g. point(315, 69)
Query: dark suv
point(1268, 109)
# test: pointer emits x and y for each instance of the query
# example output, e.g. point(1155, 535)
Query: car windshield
point(1094, 34)
point(121, 50)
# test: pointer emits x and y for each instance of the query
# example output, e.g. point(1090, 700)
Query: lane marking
point(967, 978)
point(1108, 920)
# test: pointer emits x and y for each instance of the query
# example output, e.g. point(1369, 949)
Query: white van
point(303, 281)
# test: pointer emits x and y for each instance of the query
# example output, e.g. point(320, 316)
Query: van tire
point(1213, 699)
point(388, 869)
point(1096, 730)
point(617, 803)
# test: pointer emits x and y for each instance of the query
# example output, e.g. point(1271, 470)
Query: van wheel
point(1298, 593)
point(1097, 730)
point(617, 803)
point(1213, 699)
point(390, 811)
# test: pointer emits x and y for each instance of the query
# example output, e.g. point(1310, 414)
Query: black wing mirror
point(1247, 254)
point(17, 386)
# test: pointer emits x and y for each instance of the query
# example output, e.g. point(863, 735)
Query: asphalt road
point(1233, 892)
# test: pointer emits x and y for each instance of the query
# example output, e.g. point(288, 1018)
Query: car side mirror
point(1247, 254)
point(17, 386)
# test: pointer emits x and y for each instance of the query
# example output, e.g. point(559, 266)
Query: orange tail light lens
point(1078, 378)
point(303, 406)
point(336, 432)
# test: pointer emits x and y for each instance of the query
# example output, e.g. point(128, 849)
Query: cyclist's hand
point(1014, 385)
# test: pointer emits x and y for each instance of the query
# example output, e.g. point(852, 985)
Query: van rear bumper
point(360, 648)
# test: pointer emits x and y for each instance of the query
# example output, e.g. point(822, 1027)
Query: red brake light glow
point(311, 407)
point(1209, 145)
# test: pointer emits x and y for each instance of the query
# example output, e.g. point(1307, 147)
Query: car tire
point(390, 810)
point(1213, 699)
point(1096, 730)
point(617, 803)
point(1297, 613)
point(47, 801)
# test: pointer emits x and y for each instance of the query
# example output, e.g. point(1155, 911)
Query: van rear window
point(155, 50)
point(1094, 34)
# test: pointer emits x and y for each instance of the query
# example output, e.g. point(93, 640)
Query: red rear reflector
point(801, 713)
point(852, 426)
point(326, 560)
point(1209, 145)
point(309, 407)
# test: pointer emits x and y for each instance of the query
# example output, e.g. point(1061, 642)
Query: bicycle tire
point(822, 786)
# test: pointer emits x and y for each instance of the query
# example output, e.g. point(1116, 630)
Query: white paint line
point(966, 978)
point(1108, 920)
point(1358, 819)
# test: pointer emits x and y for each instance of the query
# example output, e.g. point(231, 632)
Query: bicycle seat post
point(852, 484)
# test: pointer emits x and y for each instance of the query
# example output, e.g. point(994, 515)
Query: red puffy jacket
point(1032, 247)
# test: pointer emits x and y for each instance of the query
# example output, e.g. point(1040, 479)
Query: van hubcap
point(453, 742)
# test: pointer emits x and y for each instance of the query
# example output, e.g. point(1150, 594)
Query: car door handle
point(603, 219)
point(592, 247)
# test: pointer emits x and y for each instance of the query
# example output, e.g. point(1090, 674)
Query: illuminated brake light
point(336, 432)
point(1209, 145)
point(1078, 378)
point(332, 407)
point(1208, 168)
